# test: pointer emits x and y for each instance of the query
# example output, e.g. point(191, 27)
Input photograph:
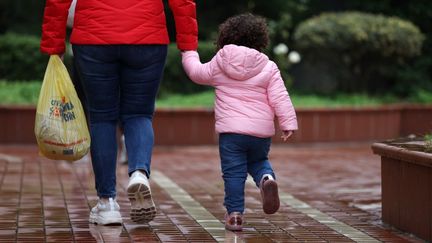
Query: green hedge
point(22, 60)
point(358, 51)
point(175, 79)
point(19, 92)
point(360, 33)
point(20, 57)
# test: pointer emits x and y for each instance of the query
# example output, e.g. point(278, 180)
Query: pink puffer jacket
point(249, 91)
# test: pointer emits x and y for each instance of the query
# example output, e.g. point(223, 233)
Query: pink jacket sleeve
point(196, 71)
point(280, 101)
point(54, 26)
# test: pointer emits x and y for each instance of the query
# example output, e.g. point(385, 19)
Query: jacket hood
point(240, 62)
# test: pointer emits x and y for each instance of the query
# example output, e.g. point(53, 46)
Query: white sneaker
point(106, 212)
point(143, 209)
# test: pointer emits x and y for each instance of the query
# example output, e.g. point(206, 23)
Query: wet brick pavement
point(49, 201)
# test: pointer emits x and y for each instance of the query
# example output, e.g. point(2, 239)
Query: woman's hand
point(286, 134)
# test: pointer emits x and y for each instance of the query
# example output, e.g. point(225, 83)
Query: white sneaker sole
point(106, 218)
point(143, 209)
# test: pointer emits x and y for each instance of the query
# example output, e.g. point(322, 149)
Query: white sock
point(269, 177)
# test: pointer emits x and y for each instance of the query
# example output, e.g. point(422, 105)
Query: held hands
point(286, 134)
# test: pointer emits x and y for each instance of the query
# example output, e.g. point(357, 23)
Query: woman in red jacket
point(120, 49)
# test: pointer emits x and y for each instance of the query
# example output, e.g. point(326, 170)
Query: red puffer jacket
point(118, 22)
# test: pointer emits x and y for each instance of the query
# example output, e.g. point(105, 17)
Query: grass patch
point(205, 99)
point(27, 93)
point(340, 100)
point(19, 93)
point(421, 96)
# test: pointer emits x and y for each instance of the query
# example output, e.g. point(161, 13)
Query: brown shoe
point(234, 221)
point(269, 194)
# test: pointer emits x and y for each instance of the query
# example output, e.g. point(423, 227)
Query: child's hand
point(286, 134)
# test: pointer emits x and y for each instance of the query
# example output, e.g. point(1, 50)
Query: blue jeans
point(120, 84)
point(240, 155)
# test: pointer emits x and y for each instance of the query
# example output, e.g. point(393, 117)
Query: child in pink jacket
point(249, 93)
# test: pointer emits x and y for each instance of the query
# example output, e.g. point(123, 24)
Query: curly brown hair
point(244, 30)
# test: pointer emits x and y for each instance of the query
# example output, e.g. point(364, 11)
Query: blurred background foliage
point(359, 52)
point(345, 46)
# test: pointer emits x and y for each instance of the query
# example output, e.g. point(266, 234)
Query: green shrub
point(20, 57)
point(360, 33)
point(359, 51)
point(18, 92)
point(175, 79)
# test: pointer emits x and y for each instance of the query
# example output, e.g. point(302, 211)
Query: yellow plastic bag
point(60, 128)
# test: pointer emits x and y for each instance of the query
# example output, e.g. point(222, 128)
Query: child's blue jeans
point(120, 83)
point(240, 155)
